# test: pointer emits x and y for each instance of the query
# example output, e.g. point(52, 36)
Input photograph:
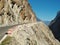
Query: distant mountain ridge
point(38, 19)
point(55, 26)
point(46, 22)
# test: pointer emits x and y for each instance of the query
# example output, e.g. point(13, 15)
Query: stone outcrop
point(32, 34)
point(16, 12)
point(55, 26)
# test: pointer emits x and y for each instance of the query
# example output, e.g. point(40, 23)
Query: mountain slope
point(16, 12)
point(32, 34)
point(55, 26)
point(29, 31)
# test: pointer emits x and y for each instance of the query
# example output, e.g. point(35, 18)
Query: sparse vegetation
point(6, 41)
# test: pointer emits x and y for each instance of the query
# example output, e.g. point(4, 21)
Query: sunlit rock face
point(16, 12)
point(32, 34)
point(27, 33)
point(55, 26)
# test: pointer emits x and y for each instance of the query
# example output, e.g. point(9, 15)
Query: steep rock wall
point(16, 12)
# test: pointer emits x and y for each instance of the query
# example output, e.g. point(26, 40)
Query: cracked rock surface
point(15, 12)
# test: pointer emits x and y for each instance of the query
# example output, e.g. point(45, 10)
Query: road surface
point(3, 30)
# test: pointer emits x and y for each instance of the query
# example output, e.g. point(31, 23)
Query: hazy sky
point(45, 9)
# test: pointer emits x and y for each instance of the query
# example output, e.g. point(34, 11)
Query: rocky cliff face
point(19, 12)
point(16, 12)
point(32, 34)
point(55, 26)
